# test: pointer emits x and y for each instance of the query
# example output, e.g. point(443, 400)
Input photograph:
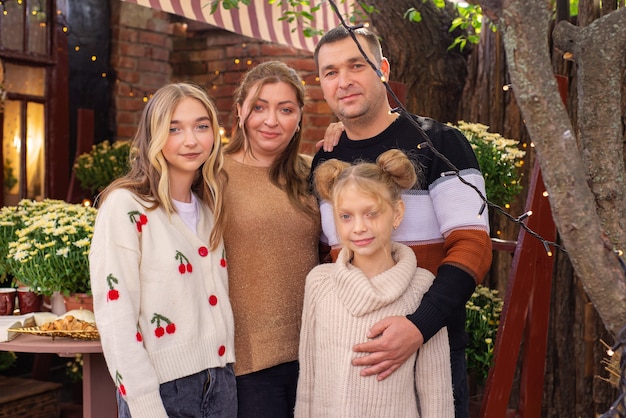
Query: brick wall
point(148, 51)
point(141, 45)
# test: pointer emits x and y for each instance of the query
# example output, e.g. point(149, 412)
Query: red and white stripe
point(259, 20)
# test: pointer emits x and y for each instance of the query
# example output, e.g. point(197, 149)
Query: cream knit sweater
point(340, 306)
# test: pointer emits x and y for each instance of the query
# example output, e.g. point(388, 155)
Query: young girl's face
point(272, 120)
point(190, 139)
point(364, 224)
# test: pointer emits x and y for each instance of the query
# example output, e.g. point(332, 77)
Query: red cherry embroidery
point(139, 337)
point(221, 351)
point(223, 260)
point(112, 294)
point(184, 266)
point(159, 331)
point(119, 384)
point(138, 218)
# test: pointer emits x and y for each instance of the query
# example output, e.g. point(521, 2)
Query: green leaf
point(413, 15)
point(438, 3)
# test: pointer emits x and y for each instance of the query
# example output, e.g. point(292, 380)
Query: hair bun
point(399, 167)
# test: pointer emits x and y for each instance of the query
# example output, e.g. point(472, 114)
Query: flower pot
point(7, 300)
point(28, 301)
point(79, 301)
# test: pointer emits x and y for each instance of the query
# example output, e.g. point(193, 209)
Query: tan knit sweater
point(270, 248)
point(341, 304)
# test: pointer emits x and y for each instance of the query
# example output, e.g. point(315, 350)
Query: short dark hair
point(340, 33)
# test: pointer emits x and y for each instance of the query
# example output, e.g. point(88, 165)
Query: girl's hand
point(331, 137)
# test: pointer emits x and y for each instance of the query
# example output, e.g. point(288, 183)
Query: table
point(98, 388)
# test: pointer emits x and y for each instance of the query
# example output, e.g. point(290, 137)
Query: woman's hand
point(331, 137)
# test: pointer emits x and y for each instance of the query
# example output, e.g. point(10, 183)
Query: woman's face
point(271, 121)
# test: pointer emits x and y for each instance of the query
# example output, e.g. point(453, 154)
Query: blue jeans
point(268, 393)
point(460, 389)
point(207, 394)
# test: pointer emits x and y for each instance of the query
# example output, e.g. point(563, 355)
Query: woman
point(271, 237)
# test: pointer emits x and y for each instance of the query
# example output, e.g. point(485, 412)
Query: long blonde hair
point(290, 170)
point(148, 176)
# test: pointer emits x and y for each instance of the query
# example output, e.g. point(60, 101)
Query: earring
point(395, 226)
point(298, 128)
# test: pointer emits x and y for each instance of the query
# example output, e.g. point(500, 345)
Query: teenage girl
point(158, 272)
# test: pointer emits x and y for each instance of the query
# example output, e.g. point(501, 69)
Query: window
point(28, 18)
point(25, 51)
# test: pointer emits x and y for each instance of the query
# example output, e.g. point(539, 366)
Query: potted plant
point(482, 317)
point(50, 250)
point(105, 162)
point(499, 159)
point(11, 220)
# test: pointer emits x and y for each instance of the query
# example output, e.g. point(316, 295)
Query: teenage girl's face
point(190, 139)
point(363, 225)
point(272, 120)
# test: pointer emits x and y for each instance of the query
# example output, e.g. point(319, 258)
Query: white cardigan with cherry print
point(160, 298)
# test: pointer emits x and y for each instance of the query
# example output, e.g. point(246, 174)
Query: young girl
point(373, 278)
point(158, 272)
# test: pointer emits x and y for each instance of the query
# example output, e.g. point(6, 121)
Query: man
point(442, 223)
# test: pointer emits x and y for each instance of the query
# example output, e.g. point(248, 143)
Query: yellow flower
point(49, 250)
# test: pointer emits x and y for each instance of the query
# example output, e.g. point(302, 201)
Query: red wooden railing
point(526, 309)
point(525, 314)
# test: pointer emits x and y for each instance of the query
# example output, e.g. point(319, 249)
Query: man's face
point(351, 87)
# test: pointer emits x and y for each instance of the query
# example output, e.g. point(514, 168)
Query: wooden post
point(84, 141)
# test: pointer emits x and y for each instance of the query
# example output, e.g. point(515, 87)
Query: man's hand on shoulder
point(394, 340)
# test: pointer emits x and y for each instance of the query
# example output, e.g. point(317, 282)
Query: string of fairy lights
point(427, 143)
point(618, 408)
point(37, 10)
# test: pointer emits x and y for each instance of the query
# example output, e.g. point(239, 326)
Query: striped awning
point(259, 20)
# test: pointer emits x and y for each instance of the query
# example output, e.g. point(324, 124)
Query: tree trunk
point(575, 353)
point(419, 57)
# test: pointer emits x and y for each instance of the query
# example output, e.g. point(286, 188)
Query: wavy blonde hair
point(148, 176)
